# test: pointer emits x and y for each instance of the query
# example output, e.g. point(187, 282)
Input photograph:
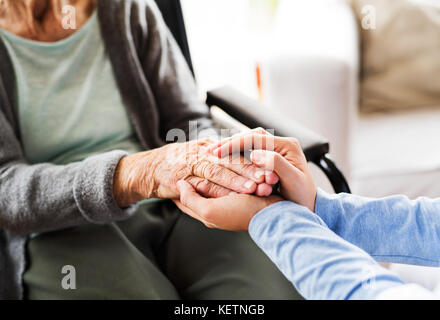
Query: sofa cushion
point(397, 153)
point(401, 57)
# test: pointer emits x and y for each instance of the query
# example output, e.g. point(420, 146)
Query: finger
point(251, 141)
point(273, 161)
point(243, 167)
point(255, 131)
point(190, 198)
point(207, 188)
point(193, 214)
point(195, 205)
point(223, 177)
point(264, 190)
point(186, 210)
point(271, 177)
point(217, 144)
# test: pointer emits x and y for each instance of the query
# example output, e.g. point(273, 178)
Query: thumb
point(273, 161)
point(184, 187)
point(189, 196)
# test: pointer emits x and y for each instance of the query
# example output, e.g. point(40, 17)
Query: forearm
point(44, 197)
point(319, 264)
point(393, 229)
point(133, 179)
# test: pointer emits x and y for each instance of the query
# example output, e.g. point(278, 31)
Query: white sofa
point(314, 78)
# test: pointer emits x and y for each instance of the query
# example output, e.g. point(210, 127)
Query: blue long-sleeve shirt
point(319, 252)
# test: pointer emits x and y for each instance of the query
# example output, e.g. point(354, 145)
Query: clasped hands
point(206, 182)
point(283, 156)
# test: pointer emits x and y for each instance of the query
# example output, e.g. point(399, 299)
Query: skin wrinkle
point(205, 188)
point(159, 171)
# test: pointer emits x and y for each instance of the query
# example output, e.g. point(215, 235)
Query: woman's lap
point(157, 254)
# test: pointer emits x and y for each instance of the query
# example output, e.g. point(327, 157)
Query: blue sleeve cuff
point(269, 213)
point(260, 218)
point(327, 207)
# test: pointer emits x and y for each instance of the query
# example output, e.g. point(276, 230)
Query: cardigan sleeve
point(45, 197)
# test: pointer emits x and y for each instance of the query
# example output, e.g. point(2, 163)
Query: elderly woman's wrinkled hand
point(155, 173)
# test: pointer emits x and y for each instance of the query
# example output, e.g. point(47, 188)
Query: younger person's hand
point(233, 212)
point(284, 156)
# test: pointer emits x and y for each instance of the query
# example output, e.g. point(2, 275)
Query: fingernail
point(249, 184)
point(257, 156)
point(259, 174)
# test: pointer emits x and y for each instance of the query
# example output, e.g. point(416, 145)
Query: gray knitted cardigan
point(159, 93)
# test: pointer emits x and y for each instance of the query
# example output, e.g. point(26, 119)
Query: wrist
point(121, 190)
point(269, 209)
point(267, 202)
point(131, 183)
point(312, 204)
point(272, 200)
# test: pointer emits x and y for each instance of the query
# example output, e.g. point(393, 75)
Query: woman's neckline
point(43, 44)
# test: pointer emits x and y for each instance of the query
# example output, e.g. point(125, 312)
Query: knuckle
point(212, 170)
point(198, 168)
point(276, 160)
point(215, 191)
point(248, 169)
point(180, 172)
point(259, 130)
point(209, 188)
point(294, 142)
point(235, 181)
point(194, 181)
point(202, 186)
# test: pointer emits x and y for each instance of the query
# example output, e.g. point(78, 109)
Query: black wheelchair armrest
point(254, 114)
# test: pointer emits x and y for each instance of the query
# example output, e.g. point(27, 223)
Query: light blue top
point(320, 252)
point(69, 106)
